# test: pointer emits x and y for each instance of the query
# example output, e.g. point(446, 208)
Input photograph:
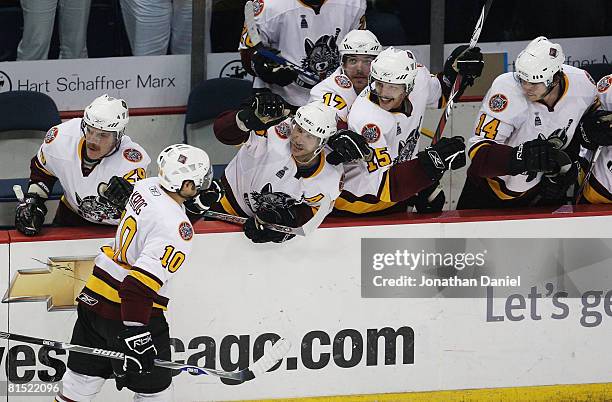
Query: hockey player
point(280, 174)
point(596, 132)
point(95, 163)
point(306, 33)
point(523, 143)
point(388, 114)
point(121, 306)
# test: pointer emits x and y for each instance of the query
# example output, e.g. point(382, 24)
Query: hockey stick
point(587, 176)
point(459, 78)
point(276, 353)
point(18, 193)
point(239, 220)
point(251, 25)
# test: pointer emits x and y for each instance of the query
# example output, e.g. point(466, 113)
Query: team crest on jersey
point(604, 84)
point(407, 147)
point(258, 6)
point(283, 130)
point(322, 58)
point(185, 230)
point(498, 102)
point(51, 134)
point(343, 81)
point(371, 132)
point(97, 208)
point(132, 155)
point(268, 200)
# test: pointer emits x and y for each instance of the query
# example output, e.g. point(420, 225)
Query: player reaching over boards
point(121, 306)
point(523, 148)
point(280, 174)
point(95, 163)
point(389, 114)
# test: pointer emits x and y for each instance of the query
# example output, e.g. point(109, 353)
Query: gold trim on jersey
point(595, 193)
point(105, 290)
point(37, 162)
point(146, 280)
point(477, 146)
point(227, 206)
point(321, 165)
point(110, 253)
point(498, 187)
point(361, 207)
point(80, 148)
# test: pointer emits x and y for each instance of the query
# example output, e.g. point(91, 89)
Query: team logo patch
point(604, 84)
point(132, 155)
point(343, 81)
point(552, 52)
point(258, 6)
point(182, 159)
point(185, 230)
point(498, 102)
point(51, 134)
point(283, 130)
point(371, 132)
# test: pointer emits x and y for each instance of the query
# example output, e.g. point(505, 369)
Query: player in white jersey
point(596, 130)
point(523, 140)
point(121, 306)
point(306, 33)
point(388, 114)
point(95, 163)
point(280, 174)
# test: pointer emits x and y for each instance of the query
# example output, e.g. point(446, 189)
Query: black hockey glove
point(429, 200)
point(595, 129)
point(137, 345)
point(30, 214)
point(467, 62)
point(553, 188)
point(448, 153)
point(348, 146)
point(118, 191)
point(264, 110)
point(536, 155)
point(205, 199)
point(254, 229)
point(270, 71)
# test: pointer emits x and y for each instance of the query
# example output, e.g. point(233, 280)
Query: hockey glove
point(348, 146)
point(467, 62)
point(553, 188)
point(448, 153)
point(30, 214)
point(263, 111)
point(205, 199)
point(270, 71)
point(429, 200)
point(136, 343)
point(255, 230)
point(534, 156)
point(118, 191)
point(596, 129)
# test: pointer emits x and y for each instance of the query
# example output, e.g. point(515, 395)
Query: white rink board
point(233, 287)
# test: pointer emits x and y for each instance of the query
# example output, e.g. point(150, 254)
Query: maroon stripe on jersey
point(405, 180)
point(149, 275)
point(136, 300)
point(106, 308)
point(490, 160)
point(106, 277)
point(37, 174)
point(506, 190)
point(229, 194)
point(227, 131)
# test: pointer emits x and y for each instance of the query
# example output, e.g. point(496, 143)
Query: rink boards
point(232, 298)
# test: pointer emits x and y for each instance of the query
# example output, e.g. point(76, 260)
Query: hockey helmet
point(181, 162)
point(108, 114)
point(394, 66)
point(360, 41)
point(539, 61)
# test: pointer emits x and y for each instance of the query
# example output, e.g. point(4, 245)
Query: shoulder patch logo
point(185, 230)
point(371, 132)
point(343, 81)
point(604, 83)
point(51, 134)
point(258, 6)
point(132, 155)
point(498, 102)
point(283, 130)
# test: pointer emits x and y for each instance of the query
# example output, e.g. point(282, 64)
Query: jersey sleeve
point(267, 30)
point(604, 92)
point(431, 84)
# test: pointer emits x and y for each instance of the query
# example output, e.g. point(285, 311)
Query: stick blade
point(277, 352)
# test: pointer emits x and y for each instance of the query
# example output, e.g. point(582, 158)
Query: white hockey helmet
point(108, 114)
point(181, 162)
point(360, 41)
point(539, 61)
point(394, 66)
point(317, 119)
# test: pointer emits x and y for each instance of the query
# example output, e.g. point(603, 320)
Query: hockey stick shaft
point(459, 78)
point(239, 220)
point(278, 351)
point(587, 176)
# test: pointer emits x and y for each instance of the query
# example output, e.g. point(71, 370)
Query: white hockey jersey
point(264, 164)
point(508, 117)
point(599, 188)
point(60, 155)
point(145, 247)
point(305, 38)
point(393, 136)
point(336, 91)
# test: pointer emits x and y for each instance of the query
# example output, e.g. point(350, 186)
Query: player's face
point(357, 68)
point(98, 143)
point(533, 92)
point(390, 96)
point(188, 190)
point(303, 144)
